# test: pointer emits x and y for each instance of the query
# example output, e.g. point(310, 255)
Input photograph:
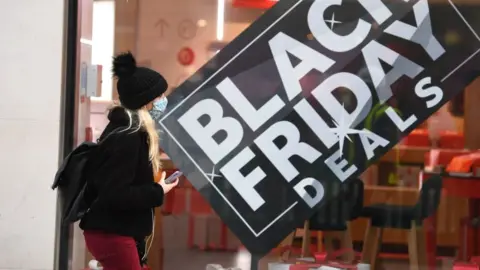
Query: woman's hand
point(167, 187)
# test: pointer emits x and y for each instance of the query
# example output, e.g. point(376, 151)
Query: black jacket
point(121, 184)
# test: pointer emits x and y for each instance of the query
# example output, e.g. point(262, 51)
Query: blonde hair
point(145, 123)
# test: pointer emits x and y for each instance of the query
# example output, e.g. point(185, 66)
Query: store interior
point(177, 39)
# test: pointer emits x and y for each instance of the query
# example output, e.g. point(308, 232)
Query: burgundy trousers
point(114, 252)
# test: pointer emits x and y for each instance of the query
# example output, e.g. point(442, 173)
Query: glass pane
point(392, 217)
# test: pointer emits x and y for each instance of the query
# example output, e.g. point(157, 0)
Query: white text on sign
point(373, 53)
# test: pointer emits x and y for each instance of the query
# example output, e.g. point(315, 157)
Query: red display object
point(168, 203)
point(464, 163)
point(466, 266)
point(451, 140)
point(88, 134)
point(198, 214)
point(169, 198)
point(418, 137)
point(464, 187)
point(186, 56)
point(180, 201)
point(467, 240)
point(259, 4)
point(442, 157)
point(198, 205)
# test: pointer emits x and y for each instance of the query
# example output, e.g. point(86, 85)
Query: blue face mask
point(159, 107)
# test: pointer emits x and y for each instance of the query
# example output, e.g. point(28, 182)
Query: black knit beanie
point(136, 86)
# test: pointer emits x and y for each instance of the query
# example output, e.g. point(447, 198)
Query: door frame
point(64, 234)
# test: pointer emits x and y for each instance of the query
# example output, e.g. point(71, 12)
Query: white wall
point(30, 85)
point(162, 51)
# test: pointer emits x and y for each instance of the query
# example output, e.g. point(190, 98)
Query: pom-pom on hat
point(137, 86)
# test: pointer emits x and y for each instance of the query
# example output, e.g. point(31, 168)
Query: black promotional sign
point(274, 123)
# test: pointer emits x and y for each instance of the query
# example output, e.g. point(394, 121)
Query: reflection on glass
point(396, 179)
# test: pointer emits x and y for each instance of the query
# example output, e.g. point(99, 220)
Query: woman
point(122, 191)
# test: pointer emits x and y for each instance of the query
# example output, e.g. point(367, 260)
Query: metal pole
point(254, 262)
point(63, 235)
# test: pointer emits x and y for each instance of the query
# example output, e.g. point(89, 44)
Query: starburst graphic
point(342, 130)
point(332, 21)
point(213, 175)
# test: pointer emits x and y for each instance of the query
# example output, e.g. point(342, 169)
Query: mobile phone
point(173, 177)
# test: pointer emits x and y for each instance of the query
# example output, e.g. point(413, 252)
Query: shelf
point(405, 154)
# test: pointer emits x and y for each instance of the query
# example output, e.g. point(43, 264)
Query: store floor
point(178, 257)
point(197, 260)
